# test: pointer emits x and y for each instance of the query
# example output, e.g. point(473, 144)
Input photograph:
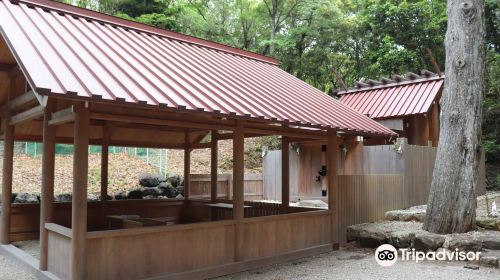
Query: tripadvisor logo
point(387, 255)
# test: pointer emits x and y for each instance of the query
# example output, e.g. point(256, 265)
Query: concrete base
point(26, 261)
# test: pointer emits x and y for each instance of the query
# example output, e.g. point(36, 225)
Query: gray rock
point(148, 180)
point(487, 222)
point(490, 258)
point(488, 239)
point(416, 213)
point(180, 189)
point(26, 198)
point(151, 192)
point(134, 194)
point(365, 236)
point(166, 189)
point(401, 239)
point(427, 241)
point(161, 177)
point(463, 242)
point(120, 196)
point(65, 197)
point(175, 180)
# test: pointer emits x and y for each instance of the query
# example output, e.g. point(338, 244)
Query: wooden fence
point(372, 179)
point(271, 175)
point(366, 198)
point(200, 186)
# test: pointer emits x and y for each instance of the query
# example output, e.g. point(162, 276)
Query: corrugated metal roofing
point(395, 99)
point(70, 51)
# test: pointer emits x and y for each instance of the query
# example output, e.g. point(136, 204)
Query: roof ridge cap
point(355, 90)
point(134, 25)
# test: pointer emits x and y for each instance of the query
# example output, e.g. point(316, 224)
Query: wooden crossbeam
point(63, 116)
point(5, 67)
point(26, 98)
point(152, 121)
point(27, 115)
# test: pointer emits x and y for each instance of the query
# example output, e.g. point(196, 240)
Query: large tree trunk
point(452, 199)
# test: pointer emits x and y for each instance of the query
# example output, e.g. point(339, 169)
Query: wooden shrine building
point(70, 75)
point(408, 105)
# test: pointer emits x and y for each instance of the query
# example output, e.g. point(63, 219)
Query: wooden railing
point(25, 221)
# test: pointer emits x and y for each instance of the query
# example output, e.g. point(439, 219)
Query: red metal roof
point(73, 52)
point(394, 99)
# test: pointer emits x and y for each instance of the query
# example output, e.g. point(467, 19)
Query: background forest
point(357, 38)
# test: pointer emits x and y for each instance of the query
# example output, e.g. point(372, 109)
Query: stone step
point(490, 258)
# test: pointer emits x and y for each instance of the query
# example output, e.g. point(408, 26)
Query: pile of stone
point(155, 186)
point(150, 186)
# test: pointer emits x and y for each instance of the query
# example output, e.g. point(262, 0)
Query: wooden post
point(238, 191)
point(187, 165)
point(213, 166)
point(333, 188)
point(47, 192)
point(285, 174)
point(79, 203)
point(8, 160)
point(104, 173)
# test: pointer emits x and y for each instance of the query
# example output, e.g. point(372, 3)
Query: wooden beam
point(27, 115)
point(163, 122)
point(333, 188)
point(226, 136)
point(4, 67)
point(285, 174)
point(47, 192)
point(289, 132)
point(63, 116)
point(15, 71)
point(8, 161)
point(187, 165)
point(79, 203)
point(238, 188)
point(27, 98)
point(213, 165)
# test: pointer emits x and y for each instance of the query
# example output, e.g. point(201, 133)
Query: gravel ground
point(11, 271)
point(360, 264)
point(348, 264)
point(31, 247)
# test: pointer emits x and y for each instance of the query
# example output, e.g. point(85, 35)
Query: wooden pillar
point(8, 160)
point(213, 166)
point(79, 203)
point(104, 173)
point(333, 188)
point(285, 174)
point(238, 187)
point(187, 165)
point(47, 192)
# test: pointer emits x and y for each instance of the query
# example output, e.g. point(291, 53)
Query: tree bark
point(452, 199)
